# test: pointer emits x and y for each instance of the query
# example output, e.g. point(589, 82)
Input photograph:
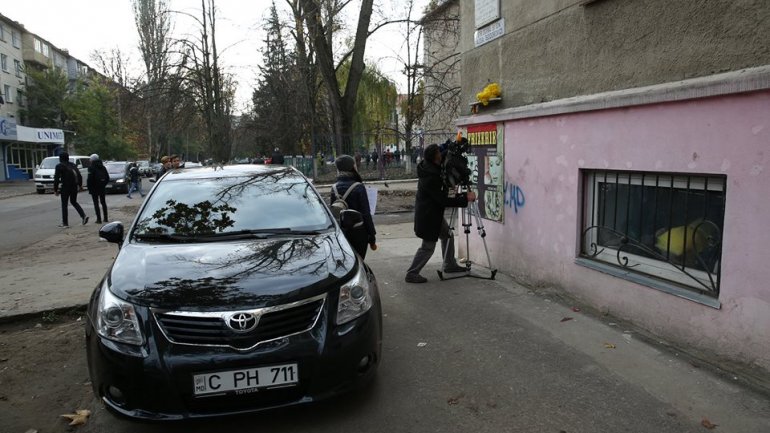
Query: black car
point(234, 290)
point(119, 179)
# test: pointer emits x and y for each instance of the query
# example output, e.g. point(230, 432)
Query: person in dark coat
point(67, 181)
point(429, 223)
point(277, 157)
point(98, 178)
point(358, 200)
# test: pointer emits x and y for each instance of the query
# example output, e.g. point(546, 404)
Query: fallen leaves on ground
point(609, 346)
point(79, 417)
point(456, 399)
point(708, 424)
point(576, 309)
point(566, 319)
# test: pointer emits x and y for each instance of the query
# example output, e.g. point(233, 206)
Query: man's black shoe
point(85, 220)
point(415, 278)
point(456, 269)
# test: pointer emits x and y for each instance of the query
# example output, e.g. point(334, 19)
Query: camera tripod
point(467, 216)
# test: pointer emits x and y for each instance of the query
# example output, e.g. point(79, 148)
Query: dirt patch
point(43, 373)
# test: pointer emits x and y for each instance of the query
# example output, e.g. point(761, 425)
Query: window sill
point(650, 282)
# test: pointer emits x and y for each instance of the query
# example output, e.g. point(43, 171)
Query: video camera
point(454, 167)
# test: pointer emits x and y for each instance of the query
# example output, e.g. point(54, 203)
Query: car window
point(84, 162)
point(49, 163)
point(115, 168)
point(279, 201)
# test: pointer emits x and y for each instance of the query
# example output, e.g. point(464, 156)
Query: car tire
point(40, 191)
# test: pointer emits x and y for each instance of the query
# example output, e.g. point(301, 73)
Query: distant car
point(47, 168)
point(119, 180)
point(145, 170)
point(234, 290)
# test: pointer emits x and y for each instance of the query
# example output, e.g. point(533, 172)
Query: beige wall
point(442, 68)
point(554, 49)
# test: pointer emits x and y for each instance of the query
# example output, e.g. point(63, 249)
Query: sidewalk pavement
point(618, 351)
point(16, 188)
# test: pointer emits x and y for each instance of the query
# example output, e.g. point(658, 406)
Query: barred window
point(662, 225)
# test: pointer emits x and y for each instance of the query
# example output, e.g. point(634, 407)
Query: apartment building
point(22, 146)
point(626, 161)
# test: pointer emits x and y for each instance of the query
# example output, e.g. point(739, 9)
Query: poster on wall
point(486, 163)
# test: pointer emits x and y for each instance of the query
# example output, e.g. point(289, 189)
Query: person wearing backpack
point(135, 179)
point(97, 181)
point(67, 181)
point(349, 192)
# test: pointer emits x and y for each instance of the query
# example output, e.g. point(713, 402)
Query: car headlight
point(117, 320)
point(120, 181)
point(355, 297)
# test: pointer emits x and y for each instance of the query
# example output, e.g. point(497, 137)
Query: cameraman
point(429, 223)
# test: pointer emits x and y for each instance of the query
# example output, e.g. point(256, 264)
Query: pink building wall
point(719, 135)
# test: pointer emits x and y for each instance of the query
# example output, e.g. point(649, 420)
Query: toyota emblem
point(242, 322)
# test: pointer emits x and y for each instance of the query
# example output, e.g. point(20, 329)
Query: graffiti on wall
point(513, 196)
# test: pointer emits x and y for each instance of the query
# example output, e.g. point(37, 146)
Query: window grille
point(663, 225)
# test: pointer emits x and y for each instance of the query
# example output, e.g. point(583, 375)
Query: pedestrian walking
point(97, 181)
point(375, 157)
point(355, 199)
point(135, 179)
point(368, 159)
point(67, 181)
point(429, 222)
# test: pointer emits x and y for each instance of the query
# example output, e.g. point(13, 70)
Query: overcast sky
point(82, 26)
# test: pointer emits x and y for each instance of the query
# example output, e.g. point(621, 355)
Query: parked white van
point(46, 169)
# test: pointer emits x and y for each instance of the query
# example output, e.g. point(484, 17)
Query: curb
point(6, 320)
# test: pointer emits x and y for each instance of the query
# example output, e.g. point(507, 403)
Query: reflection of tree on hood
point(199, 219)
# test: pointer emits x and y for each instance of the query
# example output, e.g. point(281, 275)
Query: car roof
point(239, 170)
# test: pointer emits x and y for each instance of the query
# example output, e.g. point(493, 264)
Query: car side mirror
point(112, 232)
point(152, 180)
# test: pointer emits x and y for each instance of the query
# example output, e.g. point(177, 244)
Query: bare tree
point(153, 24)
point(212, 89)
point(320, 18)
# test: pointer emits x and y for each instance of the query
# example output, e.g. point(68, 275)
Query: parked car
point(46, 170)
point(234, 290)
point(119, 181)
point(145, 170)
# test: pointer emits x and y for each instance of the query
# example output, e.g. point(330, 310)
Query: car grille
point(210, 329)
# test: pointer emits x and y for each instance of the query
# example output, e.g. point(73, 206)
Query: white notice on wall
point(490, 32)
point(371, 194)
point(486, 12)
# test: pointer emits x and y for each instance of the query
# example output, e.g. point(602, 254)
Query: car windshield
point(49, 163)
point(261, 205)
point(116, 168)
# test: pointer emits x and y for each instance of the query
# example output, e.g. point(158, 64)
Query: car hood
point(224, 276)
point(116, 176)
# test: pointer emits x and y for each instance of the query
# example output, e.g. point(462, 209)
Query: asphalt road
point(31, 218)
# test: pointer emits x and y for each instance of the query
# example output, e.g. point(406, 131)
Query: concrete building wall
point(442, 60)
point(10, 77)
point(555, 49)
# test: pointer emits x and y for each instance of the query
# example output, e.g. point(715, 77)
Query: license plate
point(245, 381)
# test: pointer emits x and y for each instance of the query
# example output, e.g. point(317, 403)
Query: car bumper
point(114, 186)
point(156, 382)
point(43, 185)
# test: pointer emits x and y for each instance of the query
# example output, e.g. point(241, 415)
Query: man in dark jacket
point(347, 176)
point(98, 178)
point(277, 158)
point(429, 223)
point(135, 179)
point(68, 175)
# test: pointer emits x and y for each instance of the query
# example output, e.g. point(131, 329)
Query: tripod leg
point(483, 234)
point(447, 244)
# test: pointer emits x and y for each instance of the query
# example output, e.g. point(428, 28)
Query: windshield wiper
point(161, 237)
point(265, 233)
